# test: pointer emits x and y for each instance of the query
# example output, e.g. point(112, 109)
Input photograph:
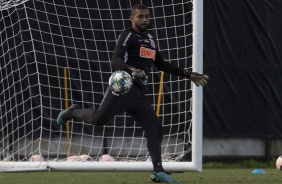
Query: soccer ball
point(86, 158)
point(279, 163)
point(36, 158)
point(106, 158)
point(120, 82)
point(74, 158)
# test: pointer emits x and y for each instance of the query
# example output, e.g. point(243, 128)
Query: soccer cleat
point(62, 119)
point(160, 177)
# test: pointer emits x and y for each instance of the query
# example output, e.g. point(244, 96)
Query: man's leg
point(110, 106)
point(143, 113)
point(153, 132)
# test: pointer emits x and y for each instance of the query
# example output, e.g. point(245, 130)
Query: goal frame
point(197, 105)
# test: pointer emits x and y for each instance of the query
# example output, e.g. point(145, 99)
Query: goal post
point(57, 53)
point(197, 95)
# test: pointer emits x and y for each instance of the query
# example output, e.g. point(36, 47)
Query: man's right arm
point(118, 58)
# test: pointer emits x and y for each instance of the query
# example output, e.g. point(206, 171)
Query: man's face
point(140, 20)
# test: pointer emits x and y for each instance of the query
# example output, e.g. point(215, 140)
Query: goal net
point(57, 53)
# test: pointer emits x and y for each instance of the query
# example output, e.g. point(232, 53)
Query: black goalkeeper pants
point(139, 107)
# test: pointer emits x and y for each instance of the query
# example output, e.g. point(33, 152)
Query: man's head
point(140, 18)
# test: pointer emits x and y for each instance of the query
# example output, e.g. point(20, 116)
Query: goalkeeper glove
point(198, 79)
point(138, 74)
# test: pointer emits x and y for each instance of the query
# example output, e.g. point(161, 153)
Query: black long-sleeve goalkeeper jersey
point(140, 51)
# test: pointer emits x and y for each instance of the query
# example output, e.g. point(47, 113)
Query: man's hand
point(199, 79)
point(139, 74)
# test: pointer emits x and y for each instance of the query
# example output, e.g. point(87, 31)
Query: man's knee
point(99, 121)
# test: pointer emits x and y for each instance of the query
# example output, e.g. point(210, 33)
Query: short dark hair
point(138, 6)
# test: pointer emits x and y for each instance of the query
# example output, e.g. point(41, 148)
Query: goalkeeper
point(136, 52)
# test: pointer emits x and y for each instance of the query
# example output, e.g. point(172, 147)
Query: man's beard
point(142, 27)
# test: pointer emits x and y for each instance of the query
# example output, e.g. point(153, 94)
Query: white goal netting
point(57, 53)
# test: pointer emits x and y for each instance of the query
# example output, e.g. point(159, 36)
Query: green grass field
point(208, 176)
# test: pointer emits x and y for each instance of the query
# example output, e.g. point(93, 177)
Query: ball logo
point(147, 53)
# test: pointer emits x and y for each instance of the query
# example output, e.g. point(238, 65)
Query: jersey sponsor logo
point(147, 53)
point(126, 39)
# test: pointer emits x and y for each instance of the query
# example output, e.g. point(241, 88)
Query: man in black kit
point(135, 52)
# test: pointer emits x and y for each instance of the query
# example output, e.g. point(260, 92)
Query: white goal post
point(57, 53)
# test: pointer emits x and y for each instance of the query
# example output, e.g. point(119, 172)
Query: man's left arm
point(198, 79)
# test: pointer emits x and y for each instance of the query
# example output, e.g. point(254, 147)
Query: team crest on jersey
point(147, 53)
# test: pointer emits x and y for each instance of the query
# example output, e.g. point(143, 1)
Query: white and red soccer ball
point(106, 158)
point(36, 158)
point(86, 158)
point(279, 163)
point(74, 158)
point(79, 158)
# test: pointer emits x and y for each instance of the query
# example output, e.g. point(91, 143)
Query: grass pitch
point(208, 176)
